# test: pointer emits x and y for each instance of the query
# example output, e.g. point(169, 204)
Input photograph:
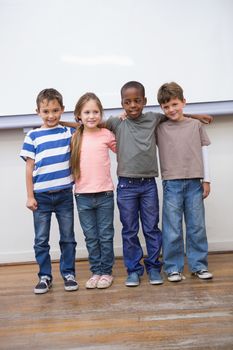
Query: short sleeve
point(28, 149)
point(112, 123)
point(112, 141)
point(205, 141)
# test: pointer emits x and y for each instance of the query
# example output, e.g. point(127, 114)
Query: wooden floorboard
point(191, 314)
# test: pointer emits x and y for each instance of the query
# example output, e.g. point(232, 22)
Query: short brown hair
point(168, 91)
point(49, 95)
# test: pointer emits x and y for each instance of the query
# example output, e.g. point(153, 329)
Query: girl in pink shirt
point(90, 165)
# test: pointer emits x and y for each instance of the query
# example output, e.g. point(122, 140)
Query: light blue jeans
point(96, 218)
point(183, 198)
point(60, 203)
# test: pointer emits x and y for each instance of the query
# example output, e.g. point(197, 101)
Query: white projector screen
point(77, 46)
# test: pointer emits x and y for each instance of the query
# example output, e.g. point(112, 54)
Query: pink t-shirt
point(95, 162)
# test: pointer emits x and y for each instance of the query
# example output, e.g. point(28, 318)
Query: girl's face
point(90, 115)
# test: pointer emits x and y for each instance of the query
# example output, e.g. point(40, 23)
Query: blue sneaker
point(155, 277)
point(132, 280)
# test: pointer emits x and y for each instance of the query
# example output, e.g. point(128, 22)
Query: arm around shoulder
point(204, 118)
point(70, 124)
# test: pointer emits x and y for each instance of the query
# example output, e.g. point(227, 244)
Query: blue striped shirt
point(50, 149)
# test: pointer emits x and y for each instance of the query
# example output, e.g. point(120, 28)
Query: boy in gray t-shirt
point(137, 194)
point(182, 144)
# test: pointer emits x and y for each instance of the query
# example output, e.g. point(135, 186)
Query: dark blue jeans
point(96, 218)
point(60, 203)
point(138, 198)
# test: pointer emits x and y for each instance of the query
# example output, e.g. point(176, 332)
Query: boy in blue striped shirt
point(49, 183)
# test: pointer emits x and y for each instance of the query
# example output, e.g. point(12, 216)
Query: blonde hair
point(76, 142)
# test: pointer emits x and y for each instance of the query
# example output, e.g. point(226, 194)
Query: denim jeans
point(60, 203)
point(96, 212)
point(138, 198)
point(184, 198)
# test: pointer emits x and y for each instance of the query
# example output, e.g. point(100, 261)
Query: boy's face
point(133, 102)
point(174, 109)
point(50, 112)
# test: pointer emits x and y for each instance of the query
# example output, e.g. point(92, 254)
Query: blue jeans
point(138, 198)
point(60, 203)
point(184, 198)
point(96, 212)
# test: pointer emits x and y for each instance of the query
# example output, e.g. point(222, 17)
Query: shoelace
point(70, 278)
point(45, 279)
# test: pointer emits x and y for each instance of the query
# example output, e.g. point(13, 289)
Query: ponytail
point(76, 144)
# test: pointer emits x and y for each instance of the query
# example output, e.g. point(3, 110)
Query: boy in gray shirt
point(137, 193)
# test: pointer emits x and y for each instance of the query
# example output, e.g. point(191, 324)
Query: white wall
point(16, 226)
point(98, 45)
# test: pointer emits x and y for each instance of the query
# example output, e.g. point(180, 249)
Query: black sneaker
point(44, 285)
point(70, 283)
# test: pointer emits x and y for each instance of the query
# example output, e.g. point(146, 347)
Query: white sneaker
point(174, 277)
point(203, 274)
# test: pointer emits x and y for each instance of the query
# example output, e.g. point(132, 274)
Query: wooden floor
point(191, 314)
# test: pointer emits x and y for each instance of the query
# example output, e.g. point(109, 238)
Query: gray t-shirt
point(136, 144)
point(180, 149)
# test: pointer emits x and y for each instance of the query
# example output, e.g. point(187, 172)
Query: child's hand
point(206, 189)
point(123, 116)
point(203, 118)
point(31, 204)
point(206, 119)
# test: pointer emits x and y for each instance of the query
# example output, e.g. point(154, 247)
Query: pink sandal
point(105, 281)
point(93, 281)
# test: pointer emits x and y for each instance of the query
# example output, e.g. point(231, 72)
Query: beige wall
point(16, 226)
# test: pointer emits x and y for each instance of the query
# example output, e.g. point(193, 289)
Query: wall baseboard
point(81, 253)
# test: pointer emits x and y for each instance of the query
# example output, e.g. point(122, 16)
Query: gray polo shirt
point(136, 144)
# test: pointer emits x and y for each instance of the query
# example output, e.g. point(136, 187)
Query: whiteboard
point(77, 46)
